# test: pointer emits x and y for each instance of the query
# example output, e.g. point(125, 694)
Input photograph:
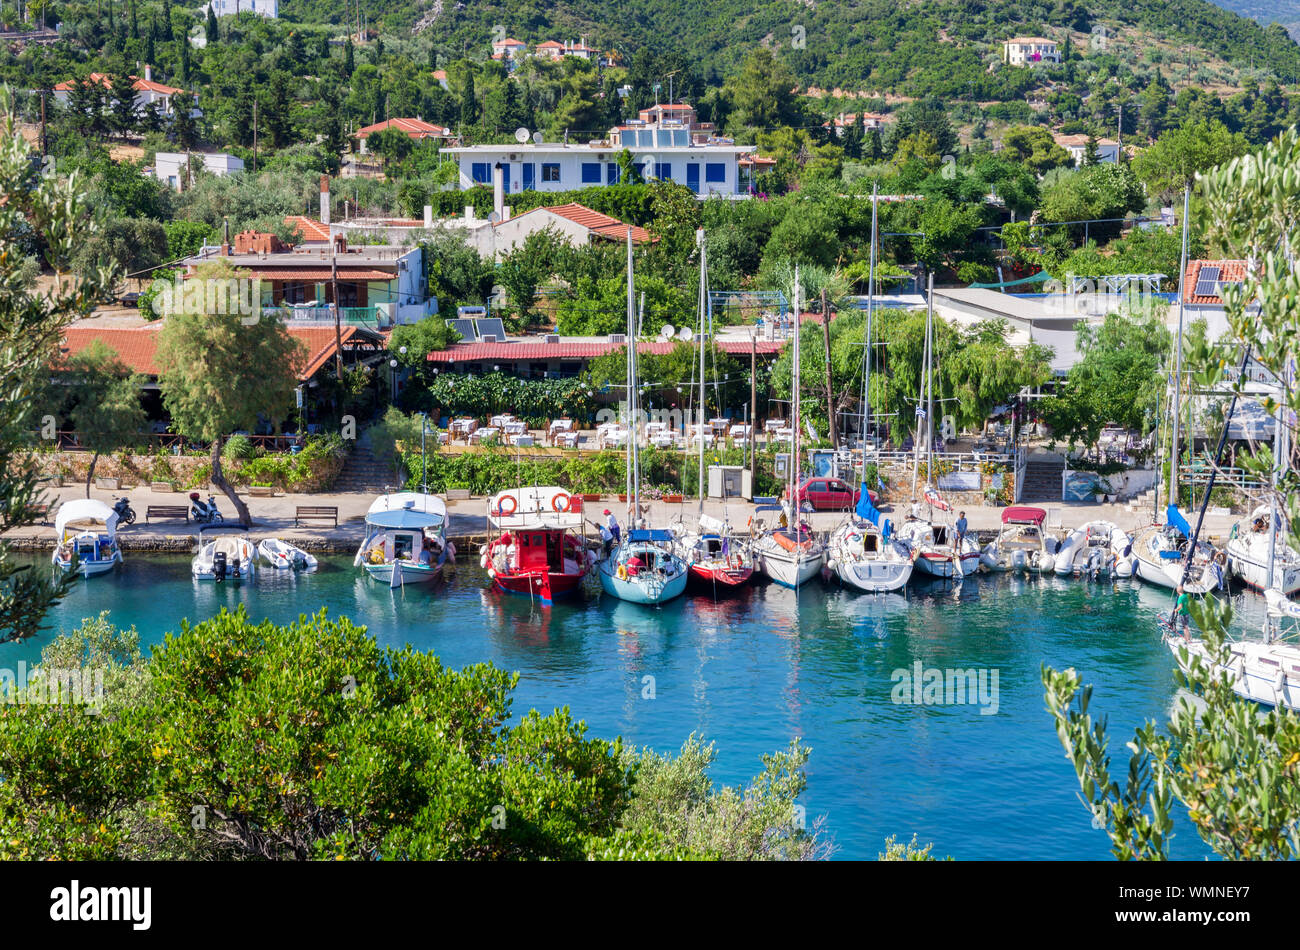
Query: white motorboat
point(284, 556)
point(1096, 548)
point(1250, 547)
point(936, 553)
point(1162, 553)
point(406, 539)
point(1021, 544)
point(224, 558)
point(87, 529)
point(865, 555)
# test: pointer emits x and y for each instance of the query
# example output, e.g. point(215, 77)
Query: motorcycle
point(204, 512)
point(125, 513)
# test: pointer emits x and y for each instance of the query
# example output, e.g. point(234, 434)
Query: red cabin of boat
point(536, 553)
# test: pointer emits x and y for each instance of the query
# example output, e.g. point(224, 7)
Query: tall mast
point(699, 237)
point(1178, 353)
point(866, 357)
point(631, 359)
point(794, 398)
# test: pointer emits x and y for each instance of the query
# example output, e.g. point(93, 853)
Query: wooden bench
point(167, 511)
point(315, 513)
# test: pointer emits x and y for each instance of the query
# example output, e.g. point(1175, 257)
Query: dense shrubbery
point(241, 740)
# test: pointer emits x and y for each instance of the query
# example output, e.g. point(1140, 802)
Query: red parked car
point(829, 494)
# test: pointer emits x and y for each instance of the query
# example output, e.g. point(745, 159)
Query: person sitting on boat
point(634, 565)
point(426, 557)
point(915, 513)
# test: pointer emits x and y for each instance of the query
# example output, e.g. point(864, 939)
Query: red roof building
point(1204, 279)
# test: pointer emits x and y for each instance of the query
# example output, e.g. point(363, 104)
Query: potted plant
point(1106, 489)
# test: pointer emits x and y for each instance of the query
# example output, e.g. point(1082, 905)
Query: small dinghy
point(284, 556)
point(224, 558)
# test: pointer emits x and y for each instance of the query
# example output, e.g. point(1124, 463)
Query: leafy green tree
point(106, 411)
point(928, 116)
point(220, 371)
point(1097, 193)
point(761, 95)
point(32, 323)
point(1172, 163)
point(458, 276)
point(1116, 380)
point(391, 144)
point(1034, 147)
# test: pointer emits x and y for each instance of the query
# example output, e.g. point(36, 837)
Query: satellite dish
point(538, 138)
point(493, 218)
point(668, 331)
point(685, 334)
point(521, 135)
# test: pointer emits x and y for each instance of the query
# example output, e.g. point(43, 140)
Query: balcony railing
point(370, 317)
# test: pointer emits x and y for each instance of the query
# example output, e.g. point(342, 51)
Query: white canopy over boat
point(85, 513)
point(407, 509)
point(534, 507)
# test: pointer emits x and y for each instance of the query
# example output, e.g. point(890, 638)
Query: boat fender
point(483, 561)
point(492, 572)
point(1279, 682)
point(560, 501)
point(737, 562)
point(621, 573)
point(451, 552)
point(501, 505)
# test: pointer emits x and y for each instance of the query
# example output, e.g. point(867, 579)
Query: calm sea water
point(755, 671)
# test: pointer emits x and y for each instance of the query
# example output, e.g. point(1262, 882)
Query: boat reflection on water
point(867, 614)
point(527, 622)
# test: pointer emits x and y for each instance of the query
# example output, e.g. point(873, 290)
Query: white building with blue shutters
point(667, 154)
point(266, 8)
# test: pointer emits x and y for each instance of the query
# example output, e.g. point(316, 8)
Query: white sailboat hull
point(1265, 673)
point(789, 568)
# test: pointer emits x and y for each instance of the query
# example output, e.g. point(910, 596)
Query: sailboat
point(939, 552)
point(645, 568)
point(863, 552)
point(788, 553)
point(1165, 556)
point(1263, 539)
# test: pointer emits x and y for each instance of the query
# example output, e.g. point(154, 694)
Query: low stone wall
point(898, 487)
point(187, 472)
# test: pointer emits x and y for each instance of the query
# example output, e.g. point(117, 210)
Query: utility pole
point(830, 391)
point(753, 400)
point(254, 133)
point(338, 312)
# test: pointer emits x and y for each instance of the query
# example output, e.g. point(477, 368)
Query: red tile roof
point(415, 128)
point(593, 221)
point(1229, 271)
point(550, 44)
point(308, 228)
point(139, 85)
point(315, 273)
point(136, 346)
point(521, 350)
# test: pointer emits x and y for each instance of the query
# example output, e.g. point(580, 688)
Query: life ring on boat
point(560, 501)
point(737, 562)
point(621, 573)
point(501, 505)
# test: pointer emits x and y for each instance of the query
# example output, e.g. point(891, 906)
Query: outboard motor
point(234, 568)
point(219, 566)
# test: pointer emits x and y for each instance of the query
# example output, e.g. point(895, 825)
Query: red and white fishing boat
point(541, 550)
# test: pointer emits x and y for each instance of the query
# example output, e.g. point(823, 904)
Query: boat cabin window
point(870, 543)
point(940, 534)
point(402, 545)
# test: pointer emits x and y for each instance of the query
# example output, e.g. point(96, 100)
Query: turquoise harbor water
point(752, 672)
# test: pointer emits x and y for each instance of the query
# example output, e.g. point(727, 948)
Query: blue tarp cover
point(866, 510)
point(1170, 555)
point(1178, 522)
point(652, 534)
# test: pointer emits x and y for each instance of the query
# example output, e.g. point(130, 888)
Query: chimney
point(325, 199)
point(148, 73)
point(469, 212)
point(505, 213)
point(428, 216)
point(498, 188)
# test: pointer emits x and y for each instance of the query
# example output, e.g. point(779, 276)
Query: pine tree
point(348, 61)
point(185, 59)
point(135, 26)
point(166, 33)
point(212, 34)
point(468, 107)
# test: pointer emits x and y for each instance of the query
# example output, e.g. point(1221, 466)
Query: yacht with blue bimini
point(864, 553)
point(86, 530)
point(1165, 556)
point(644, 569)
point(406, 539)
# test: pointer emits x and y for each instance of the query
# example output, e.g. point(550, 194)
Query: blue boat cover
point(866, 510)
point(1178, 522)
point(887, 531)
point(403, 518)
point(1170, 555)
point(652, 534)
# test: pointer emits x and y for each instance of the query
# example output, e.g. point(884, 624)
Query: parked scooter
point(204, 512)
point(125, 513)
